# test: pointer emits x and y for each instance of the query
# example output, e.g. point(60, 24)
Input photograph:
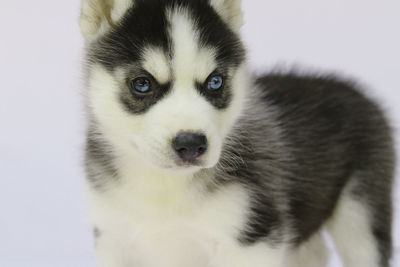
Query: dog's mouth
point(188, 163)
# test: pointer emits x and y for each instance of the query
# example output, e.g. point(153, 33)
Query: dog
point(193, 161)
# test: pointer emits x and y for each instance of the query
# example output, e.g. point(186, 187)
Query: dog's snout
point(190, 146)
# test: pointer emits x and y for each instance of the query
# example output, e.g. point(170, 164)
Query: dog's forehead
point(187, 59)
point(185, 35)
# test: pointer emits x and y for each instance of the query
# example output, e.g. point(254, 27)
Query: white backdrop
point(42, 201)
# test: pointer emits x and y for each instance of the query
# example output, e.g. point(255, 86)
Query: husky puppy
point(192, 162)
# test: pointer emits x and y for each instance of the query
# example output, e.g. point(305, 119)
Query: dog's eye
point(215, 82)
point(141, 85)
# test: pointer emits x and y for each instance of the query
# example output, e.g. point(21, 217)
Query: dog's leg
point(312, 253)
point(361, 230)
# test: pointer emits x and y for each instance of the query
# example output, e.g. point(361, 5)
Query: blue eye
point(215, 83)
point(141, 85)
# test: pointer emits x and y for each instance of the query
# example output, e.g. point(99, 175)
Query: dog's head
point(166, 77)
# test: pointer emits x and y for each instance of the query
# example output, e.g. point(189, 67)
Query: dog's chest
point(169, 219)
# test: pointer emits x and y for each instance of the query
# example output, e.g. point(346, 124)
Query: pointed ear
point(98, 16)
point(230, 11)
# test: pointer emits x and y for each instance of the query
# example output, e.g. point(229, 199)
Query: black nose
point(190, 146)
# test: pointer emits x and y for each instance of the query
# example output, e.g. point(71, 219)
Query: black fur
point(318, 134)
point(99, 160)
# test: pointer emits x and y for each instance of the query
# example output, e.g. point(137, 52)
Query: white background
point(42, 200)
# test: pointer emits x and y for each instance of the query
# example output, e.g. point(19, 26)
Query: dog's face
point(166, 77)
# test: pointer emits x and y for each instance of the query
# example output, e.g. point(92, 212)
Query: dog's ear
point(98, 16)
point(230, 11)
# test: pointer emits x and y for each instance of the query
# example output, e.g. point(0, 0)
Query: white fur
point(94, 13)
point(154, 219)
point(156, 63)
point(350, 229)
point(157, 214)
point(119, 9)
point(230, 11)
point(312, 253)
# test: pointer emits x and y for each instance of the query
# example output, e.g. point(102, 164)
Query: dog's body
point(192, 162)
